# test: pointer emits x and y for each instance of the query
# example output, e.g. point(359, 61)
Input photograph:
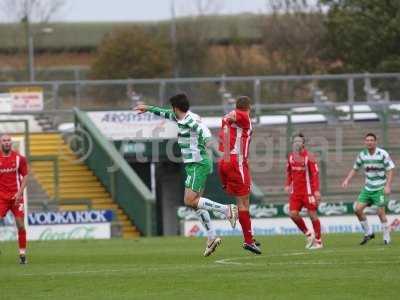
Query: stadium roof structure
point(86, 36)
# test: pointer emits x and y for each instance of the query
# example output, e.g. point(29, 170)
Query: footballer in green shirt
point(192, 141)
point(378, 169)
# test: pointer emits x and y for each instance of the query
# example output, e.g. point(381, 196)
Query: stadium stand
point(79, 188)
point(344, 141)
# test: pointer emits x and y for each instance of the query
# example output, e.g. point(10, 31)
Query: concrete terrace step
point(129, 235)
point(63, 168)
point(89, 189)
point(105, 206)
point(125, 223)
point(78, 194)
point(102, 201)
point(49, 173)
point(52, 146)
point(74, 185)
point(50, 179)
point(61, 163)
point(122, 217)
point(66, 155)
point(73, 207)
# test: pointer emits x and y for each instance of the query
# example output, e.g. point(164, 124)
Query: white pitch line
point(320, 262)
point(227, 261)
point(233, 260)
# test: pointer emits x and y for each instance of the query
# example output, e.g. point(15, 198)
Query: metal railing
point(118, 177)
point(208, 94)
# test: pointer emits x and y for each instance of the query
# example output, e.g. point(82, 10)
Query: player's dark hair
point(301, 136)
point(180, 101)
point(243, 103)
point(371, 134)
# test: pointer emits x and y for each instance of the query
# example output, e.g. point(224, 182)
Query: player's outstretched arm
point(141, 108)
point(162, 112)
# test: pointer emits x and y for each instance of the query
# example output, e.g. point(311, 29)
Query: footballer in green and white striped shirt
point(378, 168)
point(192, 140)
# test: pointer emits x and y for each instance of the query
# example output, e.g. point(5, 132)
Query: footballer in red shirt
point(302, 185)
point(233, 167)
point(13, 180)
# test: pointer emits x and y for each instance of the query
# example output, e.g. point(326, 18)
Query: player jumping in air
point(198, 165)
point(13, 180)
point(378, 168)
point(302, 185)
point(233, 167)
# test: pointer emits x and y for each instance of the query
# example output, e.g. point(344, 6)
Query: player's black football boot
point(367, 238)
point(257, 243)
point(22, 259)
point(252, 248)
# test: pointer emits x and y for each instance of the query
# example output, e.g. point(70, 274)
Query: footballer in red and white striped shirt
point(233, 167)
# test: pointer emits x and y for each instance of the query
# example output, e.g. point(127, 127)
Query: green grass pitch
point(174, 268)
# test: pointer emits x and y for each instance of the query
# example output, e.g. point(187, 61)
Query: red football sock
point(245, 222)
point(317, 228)
point(300, 224)
point(22, 239)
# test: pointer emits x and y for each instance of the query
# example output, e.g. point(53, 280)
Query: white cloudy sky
point(132, 10)
point(142, 10)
